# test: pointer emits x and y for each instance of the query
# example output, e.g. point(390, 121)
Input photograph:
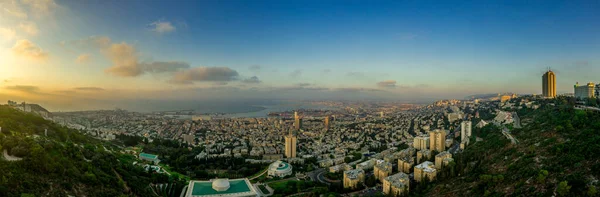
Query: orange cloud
point(28, 49)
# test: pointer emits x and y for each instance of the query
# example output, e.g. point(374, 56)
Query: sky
point(71, 55)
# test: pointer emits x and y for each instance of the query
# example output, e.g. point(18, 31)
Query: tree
point(542, 174)
point(563, 188)
point(592, 191)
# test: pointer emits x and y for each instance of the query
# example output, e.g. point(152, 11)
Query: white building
point(584, 91)
point(279, 169)
point(465, 130)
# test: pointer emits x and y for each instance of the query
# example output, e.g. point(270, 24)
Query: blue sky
point(407, 49)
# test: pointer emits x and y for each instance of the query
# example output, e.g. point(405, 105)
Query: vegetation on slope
point(558, 154)
point(66, 162)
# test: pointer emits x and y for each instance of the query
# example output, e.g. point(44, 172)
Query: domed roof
point(220, 184)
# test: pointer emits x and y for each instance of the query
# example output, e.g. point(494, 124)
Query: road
point(506, 133)
point(9, 157)
point(314, 175)
point(517, 120)
point(258, 175)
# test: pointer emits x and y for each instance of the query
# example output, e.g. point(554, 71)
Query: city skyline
point(71, 55)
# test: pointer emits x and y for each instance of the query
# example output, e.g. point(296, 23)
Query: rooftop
point(236, 187)
point(353, 174)
point(148, 156)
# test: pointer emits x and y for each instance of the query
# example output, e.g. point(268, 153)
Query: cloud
point(296, 73)
point(11, 9)
point(161, 27)
point(41, 7)
point(24, 88)
point(387, 84)
point(29, 28)
point(215, 74)
point(254, 68)
point(252, 80)
point(357, 90)
point(126, 63)
point(303, 84)
point(124, 59)
point(164, 67)
point(83, 58)
point(92, 41)
point(28, 49)
point(89, 88)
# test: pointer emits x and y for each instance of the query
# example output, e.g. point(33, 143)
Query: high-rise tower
point(297, 121)
point(549, 84)
point(326, 121)
point(290, 145)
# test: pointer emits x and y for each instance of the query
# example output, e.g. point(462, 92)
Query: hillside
point(558, 154)
point(66, 162)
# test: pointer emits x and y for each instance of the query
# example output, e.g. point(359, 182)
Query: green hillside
point(558, 154)
point(67, 162)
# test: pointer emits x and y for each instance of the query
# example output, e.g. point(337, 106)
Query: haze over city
point(72, 55)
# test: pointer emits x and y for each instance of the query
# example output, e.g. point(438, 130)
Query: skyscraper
point(297, 121)
point(549, 84)
point(326, 123)
point(437, 140)
point(290, 145)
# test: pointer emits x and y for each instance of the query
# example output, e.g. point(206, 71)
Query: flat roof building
point(383, 170)
point(149, 157)
point(396, 185)
point(584, 91)
point(424, 171)
point(221, 187)
point(352, 178)
point(439, 159)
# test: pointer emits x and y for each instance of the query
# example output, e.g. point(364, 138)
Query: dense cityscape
point(327, 98)
point(365, 148)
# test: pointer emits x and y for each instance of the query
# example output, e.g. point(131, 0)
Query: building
point(406, 164)
point(367, 165)
point(421, 142)
point(455, 116)
point(597, 91)
point(382, 170)
point(396, 185)
point(279, 169)
point(424, 171)
point(423, 155)
point(297, 121)
point(437, 140)
point(290, 145)
point(326, 121)
point(439, 159)
point(340, 168)
point(353, 178)
point(584, 91)
point(149, 157)
point(221, 187)
point(549, 84)
point(465, 130)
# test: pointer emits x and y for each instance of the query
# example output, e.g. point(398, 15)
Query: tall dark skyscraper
point(549, 84)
